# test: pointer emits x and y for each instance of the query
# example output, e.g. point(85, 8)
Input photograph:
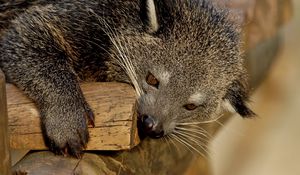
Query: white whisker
point(185, 140)
point(197, 142)
point(170, 137)
point(201, 122)
point(179, 140)
point(194, 135)
point(195, 128)
point(130, 66)
point(123, 60)
point(167, 142)
point(193, 131)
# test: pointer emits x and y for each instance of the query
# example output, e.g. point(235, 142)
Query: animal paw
point(66, 129)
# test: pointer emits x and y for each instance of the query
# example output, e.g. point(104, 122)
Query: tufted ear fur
point(149, 15)
point(236, 98)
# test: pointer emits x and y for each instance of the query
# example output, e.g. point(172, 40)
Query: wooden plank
point(112, 103)
point(4, 140)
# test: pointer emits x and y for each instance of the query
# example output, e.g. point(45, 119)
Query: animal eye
point(151, 80)
point(190, 107)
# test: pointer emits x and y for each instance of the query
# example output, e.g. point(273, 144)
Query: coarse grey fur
point(189, 46)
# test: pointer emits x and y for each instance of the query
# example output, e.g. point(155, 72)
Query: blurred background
point(270, 143)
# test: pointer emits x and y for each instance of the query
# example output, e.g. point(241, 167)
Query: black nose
point(150, 127)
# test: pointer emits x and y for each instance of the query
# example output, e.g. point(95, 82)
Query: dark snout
point(149, 126)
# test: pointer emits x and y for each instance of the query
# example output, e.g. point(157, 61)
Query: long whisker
point(170, 137)
point(123, 61)
point(130, 65)
point(185, 140)
point(201, 122)
point(197, 142)
point(193, 131)
point(129, 68)
point(167, 142)
point(195, 128)
point(193, 134)
point(221, 124)
point(179, 140)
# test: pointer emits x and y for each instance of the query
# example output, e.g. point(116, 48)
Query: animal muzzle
point(149, 126)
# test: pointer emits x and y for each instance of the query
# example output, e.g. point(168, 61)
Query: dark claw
point(72, 148)
point(65, 152)
point(90, 118)
point(75, 149)
point(78, 155)
point(84, 138)
point(72, 140)
point(52, 147)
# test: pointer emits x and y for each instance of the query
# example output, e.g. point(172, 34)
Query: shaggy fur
point(188, 46)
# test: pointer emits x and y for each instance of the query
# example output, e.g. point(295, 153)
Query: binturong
point(182, 57)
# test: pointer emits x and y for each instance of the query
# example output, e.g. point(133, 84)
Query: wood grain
point(112, 103)
point(4, 139)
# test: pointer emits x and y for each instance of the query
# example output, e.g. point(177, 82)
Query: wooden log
point(112, 103)
point(4, 139)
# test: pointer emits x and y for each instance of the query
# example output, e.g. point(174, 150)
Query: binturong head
point(187, 68)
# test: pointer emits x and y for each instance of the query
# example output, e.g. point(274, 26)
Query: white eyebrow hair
point(197, 98)
point(164, 77)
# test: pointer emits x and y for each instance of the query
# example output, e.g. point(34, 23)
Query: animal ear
point(236, 98)
point(149, 15)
